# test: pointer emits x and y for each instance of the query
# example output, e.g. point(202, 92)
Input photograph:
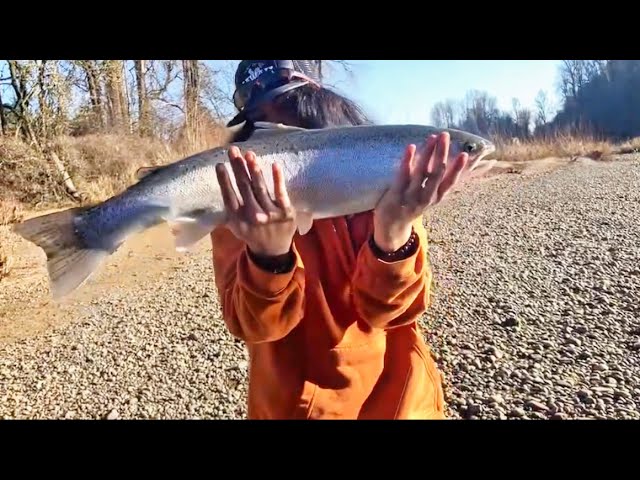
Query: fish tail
point(70, 261)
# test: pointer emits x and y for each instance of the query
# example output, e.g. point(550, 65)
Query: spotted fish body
point(328, 173)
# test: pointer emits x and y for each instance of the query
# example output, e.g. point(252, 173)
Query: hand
point(410, 195)
point(266, 225)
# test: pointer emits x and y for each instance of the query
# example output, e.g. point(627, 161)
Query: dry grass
point(632, 146)
point(561, 146)
point(6, 262)
point(11, 211)
point(100, 165)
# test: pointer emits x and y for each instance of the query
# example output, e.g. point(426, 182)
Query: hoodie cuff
point(395, 266)
point(267, 277)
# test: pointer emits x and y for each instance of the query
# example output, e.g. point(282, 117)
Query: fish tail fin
point(70, 262)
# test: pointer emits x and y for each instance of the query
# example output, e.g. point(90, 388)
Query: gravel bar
point(535, 316)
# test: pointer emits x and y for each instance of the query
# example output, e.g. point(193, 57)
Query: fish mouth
point(487, 149)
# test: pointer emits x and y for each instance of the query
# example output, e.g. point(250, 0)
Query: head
point(464, 142)
point(288, 92)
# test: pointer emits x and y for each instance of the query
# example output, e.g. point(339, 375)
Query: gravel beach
point(536, 314)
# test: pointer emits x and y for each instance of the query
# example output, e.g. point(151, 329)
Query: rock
point(517, 412)
point(584, 393)
point(573, 341)
point(112, 415)
point(511, 321)
point(622, 393)
point(473, 409)
point(492, 350)
point(537, 406)
point(600, 390)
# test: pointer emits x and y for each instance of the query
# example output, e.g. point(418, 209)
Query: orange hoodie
point(337, 337)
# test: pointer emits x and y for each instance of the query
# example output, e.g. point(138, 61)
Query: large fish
point(329, 172)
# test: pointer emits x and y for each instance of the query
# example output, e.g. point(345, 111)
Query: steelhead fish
point(328, 173)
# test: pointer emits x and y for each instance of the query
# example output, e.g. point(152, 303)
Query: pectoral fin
point(189, 230)
point(304, 220)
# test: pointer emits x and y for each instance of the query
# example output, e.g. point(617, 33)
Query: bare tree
point(574, 75)
point(450, 109)
point(438, 116)
point(3, 118)
point(144, 120)
point(191, 72)
point(543, 108)
point(92, 70)
point(117, 104)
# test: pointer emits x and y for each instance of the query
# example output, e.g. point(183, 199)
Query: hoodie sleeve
point(257, 305)
point(392, 294)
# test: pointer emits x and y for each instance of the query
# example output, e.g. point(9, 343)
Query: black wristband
point(278, 264)
point(404, 252)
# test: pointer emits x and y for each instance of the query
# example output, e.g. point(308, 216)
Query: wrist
point(276, 264)
point(270, 251)
point(390, 239)
point(406, 250)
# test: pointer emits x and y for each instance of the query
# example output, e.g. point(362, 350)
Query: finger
point(280, 190)
point(239, 170)
point(253, 211)
point(422, 158)
point(442, 153)
point(453, 176)
point(229, 196)
point(427, 194)
point(258, 184)
point(404, 172)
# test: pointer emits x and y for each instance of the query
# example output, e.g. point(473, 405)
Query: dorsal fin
point(266, 129)
point(144, 171)
point(276, 126)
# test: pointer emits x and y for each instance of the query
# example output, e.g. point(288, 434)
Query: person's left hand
point(423, 180)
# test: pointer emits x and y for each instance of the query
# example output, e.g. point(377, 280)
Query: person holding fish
point(330, 318)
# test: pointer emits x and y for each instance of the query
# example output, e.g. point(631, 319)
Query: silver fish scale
point(341, 180)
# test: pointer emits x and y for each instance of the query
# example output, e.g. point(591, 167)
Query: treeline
point(46, 98)
point(599, 98)
point(41, 99)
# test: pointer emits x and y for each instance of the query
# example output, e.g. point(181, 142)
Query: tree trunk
point(143, 101)
point(3, 119)
point(191, 99)
point(116, 99)
point(42, 100)
point(94, 85)
point(19, 82)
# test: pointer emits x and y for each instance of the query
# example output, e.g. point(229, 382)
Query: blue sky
point(404, 91)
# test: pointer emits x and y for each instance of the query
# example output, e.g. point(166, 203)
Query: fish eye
point(469, 147)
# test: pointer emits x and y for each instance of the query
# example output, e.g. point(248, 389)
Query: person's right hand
point(266, 225)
